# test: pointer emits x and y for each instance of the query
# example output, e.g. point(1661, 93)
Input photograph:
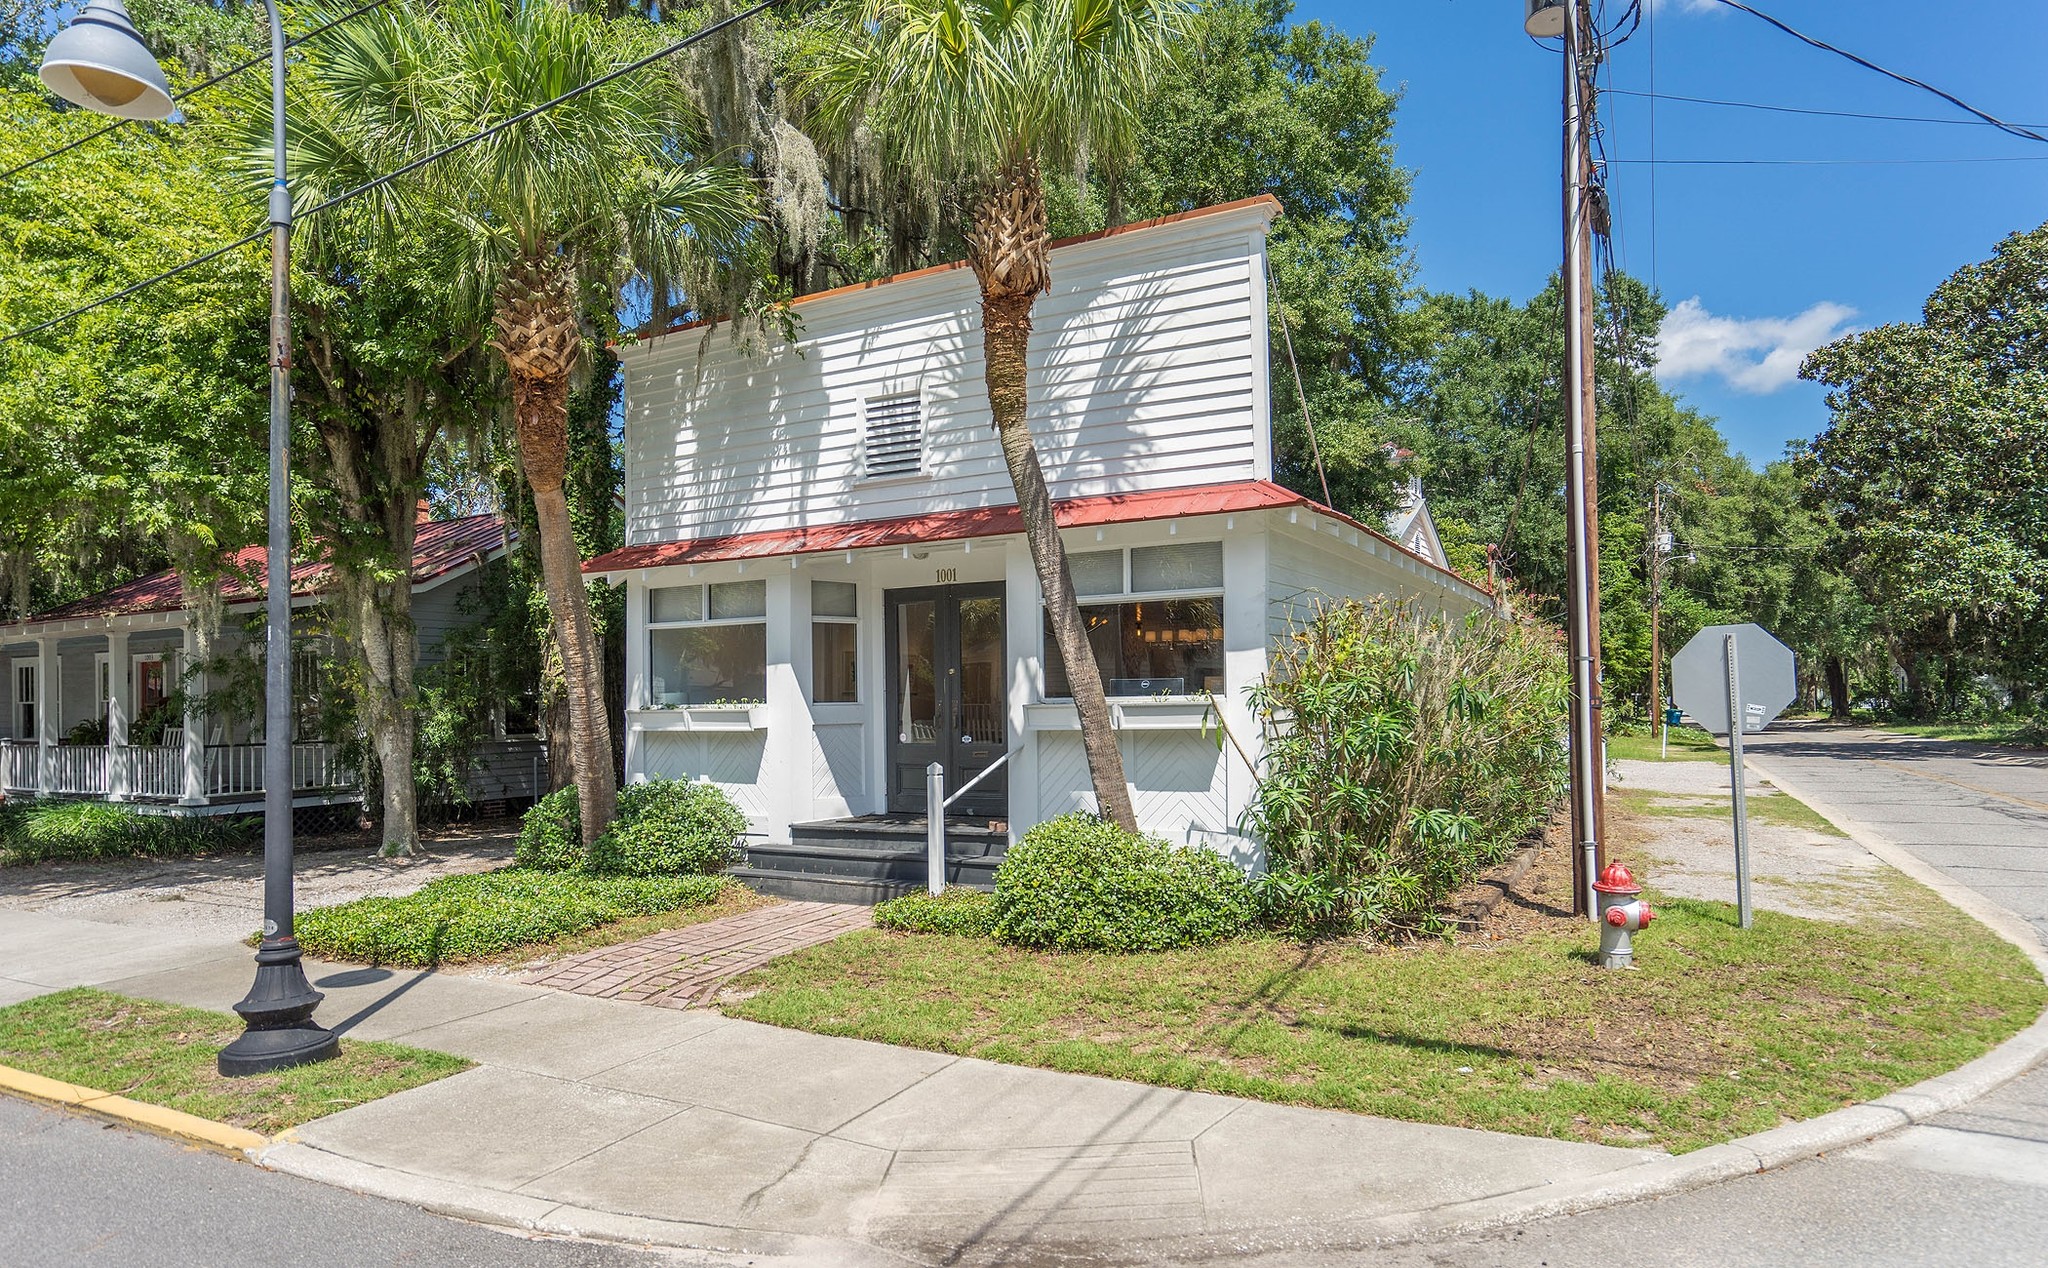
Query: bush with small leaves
point(670, 827)
point(551, 835)
point(1079, 883)
point(966, 913)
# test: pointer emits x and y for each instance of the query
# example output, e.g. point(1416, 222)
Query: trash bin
point(1674, 716)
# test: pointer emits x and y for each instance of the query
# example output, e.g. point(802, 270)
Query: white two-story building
point(828, 590)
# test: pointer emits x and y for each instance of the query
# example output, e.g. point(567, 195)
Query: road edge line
point(236, 1142)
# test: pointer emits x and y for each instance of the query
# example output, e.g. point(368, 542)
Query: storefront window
point(835, 642)
point(1147, 647)
point(708, 644)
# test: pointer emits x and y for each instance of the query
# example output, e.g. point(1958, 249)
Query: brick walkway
point(685, 967)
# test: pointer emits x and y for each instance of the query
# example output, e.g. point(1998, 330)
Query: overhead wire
point(195, 89)
point(407, 169)
point(2024, 133)
point(1653, 96)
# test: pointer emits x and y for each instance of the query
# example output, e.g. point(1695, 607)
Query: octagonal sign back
point(1767, 677)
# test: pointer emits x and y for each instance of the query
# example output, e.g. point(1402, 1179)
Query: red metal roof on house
point(439, 547)
point(987, 521)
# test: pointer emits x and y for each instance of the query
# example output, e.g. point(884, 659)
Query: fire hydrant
point(1622, 913)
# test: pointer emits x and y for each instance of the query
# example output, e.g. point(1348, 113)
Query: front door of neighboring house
point(947, 698)
point(152, 688)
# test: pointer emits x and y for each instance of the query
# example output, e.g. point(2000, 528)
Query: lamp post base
point(279, 1013)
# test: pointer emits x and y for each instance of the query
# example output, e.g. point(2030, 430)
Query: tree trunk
point(537, 332)
point(1838, 689)
point(1009, 245)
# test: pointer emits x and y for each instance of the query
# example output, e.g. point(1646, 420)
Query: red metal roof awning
point(991, 521)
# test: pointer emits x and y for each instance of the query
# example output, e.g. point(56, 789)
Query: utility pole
point(1657, 549)
point(1573, 20)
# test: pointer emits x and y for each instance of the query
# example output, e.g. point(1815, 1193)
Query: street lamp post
point(100, 62)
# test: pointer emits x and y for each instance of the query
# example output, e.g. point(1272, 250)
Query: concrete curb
point(561, 1219)
point(236, 1142)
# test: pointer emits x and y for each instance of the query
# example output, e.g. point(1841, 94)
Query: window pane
point(1155, 647)
point(676, 603)
point(917, 702)
point(834, 598)
point(835, 652)
point(1098, 572)
point(1195, 566)
point(733, 599)
point(708, 665)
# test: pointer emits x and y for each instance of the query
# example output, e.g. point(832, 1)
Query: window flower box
point(737, 716)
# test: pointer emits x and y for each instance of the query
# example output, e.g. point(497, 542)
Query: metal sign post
point(1729, 659)
point(1733, 679)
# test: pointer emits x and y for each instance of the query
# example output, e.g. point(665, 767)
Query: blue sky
point(1762, 262)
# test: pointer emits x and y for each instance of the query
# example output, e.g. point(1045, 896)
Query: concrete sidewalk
point(613, 1119)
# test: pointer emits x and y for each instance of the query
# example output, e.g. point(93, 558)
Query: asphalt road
point(74, 1191)
point(1967, 1188)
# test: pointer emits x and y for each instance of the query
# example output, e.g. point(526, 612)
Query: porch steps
point(869, 859)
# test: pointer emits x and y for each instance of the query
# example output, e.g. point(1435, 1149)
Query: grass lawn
point(1688, 744)
point(1779, 809)
point(164, 1055)
point(1717, 1034)
point(512, 912)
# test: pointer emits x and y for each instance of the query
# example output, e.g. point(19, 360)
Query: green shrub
point(1405, 752)
point(33, 831)
point(1082, 884)
point(670, 827)
point(966, 913)
point(461, 918)
point(551, 834)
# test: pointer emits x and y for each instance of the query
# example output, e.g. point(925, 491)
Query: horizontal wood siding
point(1147, 371)
point(437, 611)
point(1307, 566)
point(512, 769)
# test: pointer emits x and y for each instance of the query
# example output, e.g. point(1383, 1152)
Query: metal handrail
point(936, 801)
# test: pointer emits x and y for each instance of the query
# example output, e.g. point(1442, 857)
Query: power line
point(408, 168)
point(1653, 96)
point(2024, 133)
point(195, 89)
point(1844, 162)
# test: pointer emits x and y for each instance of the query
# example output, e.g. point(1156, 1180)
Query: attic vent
point(895, 435)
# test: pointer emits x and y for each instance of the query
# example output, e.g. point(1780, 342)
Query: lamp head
point(1545, 19)
point(99, 62)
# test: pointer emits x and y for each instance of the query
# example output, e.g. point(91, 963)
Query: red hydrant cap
point(1617, 879)
point(1616, 917)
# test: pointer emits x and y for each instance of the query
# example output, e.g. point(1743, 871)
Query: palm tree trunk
point(538, 334)
point(1009, 244)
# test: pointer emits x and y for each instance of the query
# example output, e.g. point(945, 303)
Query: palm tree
point(547, 221)
point(981, 96)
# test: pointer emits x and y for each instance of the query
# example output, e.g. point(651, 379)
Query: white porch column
point(1247, 610)
point(46, 713)
point(636, 673)
point(120, 703)
point(785, 760)
point(195, 726)
point(1023, 607)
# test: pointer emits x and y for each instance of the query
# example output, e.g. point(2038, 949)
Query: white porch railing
point(236, 770)
point(78, 769)
point(18, 765)
point(154, 770)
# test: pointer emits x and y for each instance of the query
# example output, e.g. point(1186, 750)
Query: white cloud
point(1758, 355)
point(1683, 6)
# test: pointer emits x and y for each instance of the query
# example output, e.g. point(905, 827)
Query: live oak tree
point(1933, 467)
point(547, 216)
point(984, 97)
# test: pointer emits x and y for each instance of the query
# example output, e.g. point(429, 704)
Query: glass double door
point(947, 700)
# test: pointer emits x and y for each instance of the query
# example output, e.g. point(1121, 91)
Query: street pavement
point(77, 1192)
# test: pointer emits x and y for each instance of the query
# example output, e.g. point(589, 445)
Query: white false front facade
point(828, 591)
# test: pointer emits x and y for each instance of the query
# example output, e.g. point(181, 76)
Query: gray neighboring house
point(87, 689)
